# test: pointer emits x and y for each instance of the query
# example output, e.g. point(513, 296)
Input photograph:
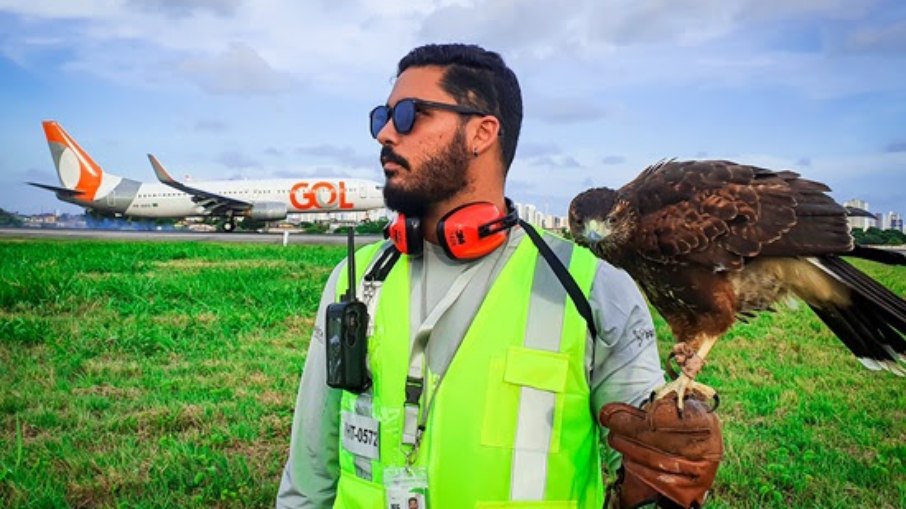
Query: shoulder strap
point(566, 279)
point(381, 267)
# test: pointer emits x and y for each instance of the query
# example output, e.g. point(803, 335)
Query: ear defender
point(475, 229)
point(406, 234)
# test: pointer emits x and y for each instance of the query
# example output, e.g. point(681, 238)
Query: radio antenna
point(350, 264)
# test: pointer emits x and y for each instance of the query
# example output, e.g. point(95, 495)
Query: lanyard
point(414, 425)
point(415, 421)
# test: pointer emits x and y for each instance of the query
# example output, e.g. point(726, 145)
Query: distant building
point(860, 222)
point(530, 214)
point(892, 221)
point(46, 220)
point(341, 217)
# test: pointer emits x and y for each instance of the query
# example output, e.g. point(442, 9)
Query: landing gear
point(229, 225)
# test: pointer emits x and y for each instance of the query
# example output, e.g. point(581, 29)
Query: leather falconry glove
point(668, 458)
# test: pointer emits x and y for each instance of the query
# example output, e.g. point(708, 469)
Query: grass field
point(163, 375)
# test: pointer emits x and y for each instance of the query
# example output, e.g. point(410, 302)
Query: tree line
point(878, 237)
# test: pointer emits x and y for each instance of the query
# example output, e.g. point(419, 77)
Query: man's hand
point(666, 456)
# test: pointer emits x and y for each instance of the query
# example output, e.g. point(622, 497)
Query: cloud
point(40, 176)
point(760, 10)
point(896, 146)
point(685, 22)
point(601, 43)
point(341, 154)
point(235, 159)
point(513, 28)
point(619, 70)
point(318, 172)
point(878, 39)
point(324, 150)
point(239, 70)
point(211, 126)
point(565, 110)
point(185, 8)
point(530, 149)
point(563, 161)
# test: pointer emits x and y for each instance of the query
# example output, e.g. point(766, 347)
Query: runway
point(180, 236)
point(183, 236)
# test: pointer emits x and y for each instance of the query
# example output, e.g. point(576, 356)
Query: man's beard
point(440, 177)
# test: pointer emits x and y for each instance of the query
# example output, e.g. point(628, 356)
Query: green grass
point(149, 375)
point(805, 425)
point(164, 375)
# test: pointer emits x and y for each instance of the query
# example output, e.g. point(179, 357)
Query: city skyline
point(240, 89)
point(891, 219)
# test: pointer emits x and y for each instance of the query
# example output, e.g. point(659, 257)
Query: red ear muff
point(474, 230)
point(406, 234)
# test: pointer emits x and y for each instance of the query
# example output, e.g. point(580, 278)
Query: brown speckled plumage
point(710, 241)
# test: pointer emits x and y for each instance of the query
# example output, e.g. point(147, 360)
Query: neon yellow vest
point(499, 391)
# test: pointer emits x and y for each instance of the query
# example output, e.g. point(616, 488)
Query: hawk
point(710, 242)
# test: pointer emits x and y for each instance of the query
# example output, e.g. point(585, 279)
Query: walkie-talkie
point(347, 342)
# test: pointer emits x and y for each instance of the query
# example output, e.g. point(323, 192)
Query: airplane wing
point(60, 190)
point(213, 203)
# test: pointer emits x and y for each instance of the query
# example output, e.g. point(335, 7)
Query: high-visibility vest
point(512, 425)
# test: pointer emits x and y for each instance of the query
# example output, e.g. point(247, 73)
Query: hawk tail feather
point(878, 255)
point(873, 324)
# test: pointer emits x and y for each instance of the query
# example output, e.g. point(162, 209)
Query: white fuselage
point(299, 196)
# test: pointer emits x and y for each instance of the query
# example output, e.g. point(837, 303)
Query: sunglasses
point(404, 113)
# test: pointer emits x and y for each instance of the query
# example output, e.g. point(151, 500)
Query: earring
point(475, 152)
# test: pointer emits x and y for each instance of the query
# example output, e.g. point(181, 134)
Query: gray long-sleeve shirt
point(626, 367)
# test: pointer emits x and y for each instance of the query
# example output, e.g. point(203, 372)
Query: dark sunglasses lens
point(404, 116)
point(379, 118)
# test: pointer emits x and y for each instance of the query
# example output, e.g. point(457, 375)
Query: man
point(486, 380)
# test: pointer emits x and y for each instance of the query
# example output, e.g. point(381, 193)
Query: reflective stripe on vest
point(536, 407)
point(512, 421)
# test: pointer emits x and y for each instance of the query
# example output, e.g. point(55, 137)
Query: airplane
point(84, 183)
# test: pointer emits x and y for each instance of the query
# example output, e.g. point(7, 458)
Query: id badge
point(360, 435)
point(406, 488)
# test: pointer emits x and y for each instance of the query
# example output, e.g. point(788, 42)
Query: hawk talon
point(684, 386)
point(688, 360)
point(668, 366)
point(716, 399)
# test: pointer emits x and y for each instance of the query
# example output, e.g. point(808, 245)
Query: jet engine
point(267, 211)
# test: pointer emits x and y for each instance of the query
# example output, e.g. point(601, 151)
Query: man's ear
point(485, 134)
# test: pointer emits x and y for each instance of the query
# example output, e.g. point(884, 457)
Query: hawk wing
point(718, 213)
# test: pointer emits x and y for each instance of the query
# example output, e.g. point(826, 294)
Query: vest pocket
point(525, 390)
point(536, 368)
point(355, 493)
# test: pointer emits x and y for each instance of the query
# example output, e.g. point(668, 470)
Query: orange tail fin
point(77, 170)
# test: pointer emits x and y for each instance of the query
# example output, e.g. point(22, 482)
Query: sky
point(243, 89)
